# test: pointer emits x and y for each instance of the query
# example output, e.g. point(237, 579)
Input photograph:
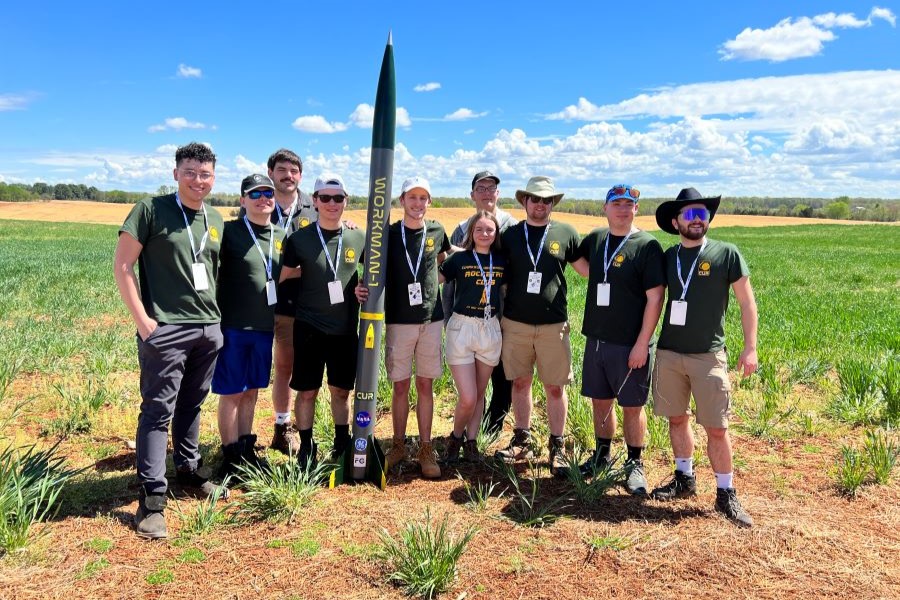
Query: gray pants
point(177, 363)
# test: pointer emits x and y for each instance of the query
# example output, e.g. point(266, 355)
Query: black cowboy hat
point(669, 210)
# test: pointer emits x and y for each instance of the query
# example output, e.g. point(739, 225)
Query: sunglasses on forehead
point(331, 197)
point(257, 194)
point(539, 200)
point(623, 191)
point(689, 214)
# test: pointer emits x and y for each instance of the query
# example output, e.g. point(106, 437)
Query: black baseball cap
point(484, 175)
point(254, 182)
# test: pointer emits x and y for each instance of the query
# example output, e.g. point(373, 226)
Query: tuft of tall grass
point(881, 452)
point(580, 421)
point(279, 493)
point(78, 409)
point(478, 492)
point(590, 489)
point(207, 516)
point(763, 420)
point(526, 507)
point(889, 387)
point(852, 469)
point(857, 401)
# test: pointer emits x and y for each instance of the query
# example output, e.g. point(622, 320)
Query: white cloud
point(186, 72)
point(177, 124)
point(317, 124)
point(167, 149)
point(796, 38)
point(427, 87)
point(463, 114)
point(364, 114)
point(14, 101)
point(403, 119)
point(246, 166)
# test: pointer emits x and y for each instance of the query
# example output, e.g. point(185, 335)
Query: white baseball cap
point(416, 182)
point(330, 181)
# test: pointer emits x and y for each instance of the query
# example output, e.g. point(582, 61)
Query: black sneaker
point(249, 455)
point(519, 447)
point(454, 444)
point(197, 483)
point(559, 466)
point(306, 457)
point(149, 521)
point(680, 486)
point(728, 504)
point(635, 482)
point(286, 439)
point(231, 458)
point(595, 463)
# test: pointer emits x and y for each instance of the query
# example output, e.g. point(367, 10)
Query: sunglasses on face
point(257, 194)
point(539, 200)
point(689, 214)
point(331, 198)
point(623, 191)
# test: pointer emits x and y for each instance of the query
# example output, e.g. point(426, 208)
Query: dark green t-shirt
point(399, 275)
point(242, 275)
point(165, 272)
point(304, 250)
point(560, 247)
point(462, 269)
point(720, 265)
point(636, 268)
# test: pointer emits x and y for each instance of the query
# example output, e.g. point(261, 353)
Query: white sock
point(724, 481)
point(685, 465)
point(282, 418)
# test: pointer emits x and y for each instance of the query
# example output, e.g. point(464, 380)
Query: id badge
point(415, 293)
point(335, 291)
point(602, 294)
point(534, 282)
point(678, 314)
point(201, 281)
point(271, 296)
point(487, 312)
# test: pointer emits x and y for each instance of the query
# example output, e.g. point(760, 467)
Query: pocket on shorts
point(454, 324)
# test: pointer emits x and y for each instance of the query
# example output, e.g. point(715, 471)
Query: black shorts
point(314, 350)
point(604, 370)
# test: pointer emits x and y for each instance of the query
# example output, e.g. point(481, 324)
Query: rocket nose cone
point(390, 41)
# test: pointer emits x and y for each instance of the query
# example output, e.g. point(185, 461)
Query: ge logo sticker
point(361, 444)
point(363, 418)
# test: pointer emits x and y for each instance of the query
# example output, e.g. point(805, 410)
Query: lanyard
point(337, 254)
point(267, 263)
point(415, 270)
point(608, 261)
point(286, 221)
point(190, 233)
point(685, 284)
point(487, 280)
point(534, 260)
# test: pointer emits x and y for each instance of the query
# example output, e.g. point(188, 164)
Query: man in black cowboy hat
point(690, 357)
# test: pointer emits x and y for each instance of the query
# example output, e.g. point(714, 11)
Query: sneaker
point(428, 461)
point(680, 486)
point(519, 447)
point(286, 439)
point(196, 483)
point(470, 452)
point(559, 466)
point(635, 482)
point(728, 504)
point(396, 455)
point(249, 455)
point(231, 458)
point(595, 462)
point(306, 456)
point(454, 444)
point(149, 521)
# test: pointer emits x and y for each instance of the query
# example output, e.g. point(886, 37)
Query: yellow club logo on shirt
point(214, 234)
point(703, 269)
point(429, 245)
point(554, 248)
point(304, 222)
point(350, 255)
point(618, 260)
point(278, 245)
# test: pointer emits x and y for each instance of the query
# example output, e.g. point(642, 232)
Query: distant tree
point(838, 209)
point(165, 189)
point(801, 210)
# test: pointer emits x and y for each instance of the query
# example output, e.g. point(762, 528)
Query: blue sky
point(761, 98)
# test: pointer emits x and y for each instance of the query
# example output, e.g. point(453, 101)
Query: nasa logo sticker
point(361, 444)
point(363, 418)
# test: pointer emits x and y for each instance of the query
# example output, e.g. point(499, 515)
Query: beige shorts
point(284, 331)
point(403, 342)
point(677, 376)
point(472, 338)
point(547, 345)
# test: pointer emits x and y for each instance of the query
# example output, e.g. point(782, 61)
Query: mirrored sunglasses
point(257, 194)
point(623, 191)
point(689, 214)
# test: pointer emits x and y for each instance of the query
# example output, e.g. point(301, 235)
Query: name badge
point(678, 314)
point(335, 291)
point(415, 293)
point(602, 294)
point(201, 281)
point(271, 296)
point(534, 282)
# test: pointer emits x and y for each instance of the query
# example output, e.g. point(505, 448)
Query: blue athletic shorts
point(244, 362)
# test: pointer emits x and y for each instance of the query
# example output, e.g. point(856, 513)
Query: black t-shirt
point(469, 299)
point(399, 274)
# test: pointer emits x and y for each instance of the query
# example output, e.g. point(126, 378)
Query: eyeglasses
point(256, 194)
point(338, 198)
point(202, 175)
point(623, 191)
point(689, 214)
point(539, 200)
point(484, 189)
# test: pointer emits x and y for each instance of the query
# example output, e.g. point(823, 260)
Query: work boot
point(286, 439)
point(596, 462)
point(396, 455)
point(452, 451)
point(231, 458)
point(196, 482)
point(470, 452)
point(519, 447)
point(635, 482)
point(728, 504)
point(306, 457)
point(680, 486)
point(428, 461)
point(249, 455)
point(559, 466)
point(340, 445)
point(149, 521)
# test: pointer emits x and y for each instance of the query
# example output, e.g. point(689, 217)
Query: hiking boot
point(470, 452)
point(519, 447)
point(680, 486)
point(451, 456)
point(249, 455)
point(635, 482)
point(595, 462)
point(231, 458)
point(428, 461)
point(286, 439)
point(396, 455)
point(728, 504)
point(306, 456)
point(559, 466)
point(196, 483)
point(149, 521)
point(340, 446)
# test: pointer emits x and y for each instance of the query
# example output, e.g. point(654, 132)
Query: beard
point(688, 233)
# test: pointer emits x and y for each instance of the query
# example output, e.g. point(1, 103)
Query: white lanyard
point(608, 261)
point(487, 280)
point(685, 284)
point(285, 222)
point(190, 233)
point(337, 254)
point(534, 260)
point(413, 270)
point(267, 263)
